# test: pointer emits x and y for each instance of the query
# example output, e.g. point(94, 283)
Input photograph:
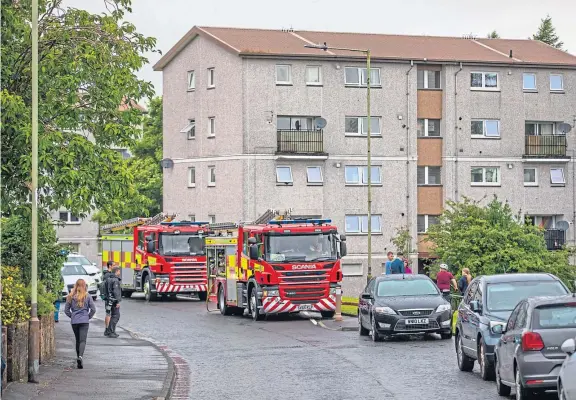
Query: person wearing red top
point(444, 278)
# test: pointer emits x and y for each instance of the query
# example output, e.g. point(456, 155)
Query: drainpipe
point(408, 151)
point(456, 191)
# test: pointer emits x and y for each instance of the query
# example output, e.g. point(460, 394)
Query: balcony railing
point(300, 142)
point(555, 238)
point(546, 146)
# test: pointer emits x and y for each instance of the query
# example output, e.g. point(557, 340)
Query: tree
point(491, 239)
point(402, 241)
point(547, 33)
point(493, 35)
point(87, 68)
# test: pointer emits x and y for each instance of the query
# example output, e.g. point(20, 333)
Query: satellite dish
point(562, 225)
point(321, 123)
point(167, 163)
point(564, 128)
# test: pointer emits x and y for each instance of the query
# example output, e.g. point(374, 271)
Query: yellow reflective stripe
point(116, 256)
point(151, 260)
point(105, 257)
point(127, 257)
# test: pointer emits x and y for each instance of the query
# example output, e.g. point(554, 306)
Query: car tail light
point(532, 341)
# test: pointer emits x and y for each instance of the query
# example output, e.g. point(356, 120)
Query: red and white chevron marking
point(168, 288)
point(275, 305)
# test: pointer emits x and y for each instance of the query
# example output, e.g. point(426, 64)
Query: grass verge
point(350, 306)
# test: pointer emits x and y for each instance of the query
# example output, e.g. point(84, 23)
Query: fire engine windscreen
point(182, 244)
point(313, 247)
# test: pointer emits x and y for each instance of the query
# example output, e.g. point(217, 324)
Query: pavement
point(123, 368)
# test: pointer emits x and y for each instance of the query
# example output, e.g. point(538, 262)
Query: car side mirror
point(366, 296)
point(150, 247)
point(569, 346)
point(252, 240)
point(343, 249)
point(254, 252)
point(476, 306)
point(498, 329)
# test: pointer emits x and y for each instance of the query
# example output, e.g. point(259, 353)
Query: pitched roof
point(267, 42)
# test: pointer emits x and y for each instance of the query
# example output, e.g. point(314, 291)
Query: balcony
point(555, 238)
point(300, 143)
point(545, 146)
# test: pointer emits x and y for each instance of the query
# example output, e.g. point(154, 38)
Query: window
point(314, 175)
point(212, 218)
point(212, 126)
point(284, 175)
point(485, 176)
point(354, 76)
point(211, 81)
point(192, 217)
point(68, 218)
point(191, 80)
point(429, 176)
point(359, 126)
point(425, 221)
point(288, 123)
point(529, 81)
point(557, 176)
point(191, 177)
point(428, 79)
point(359, 223)
point(485, 128)
point(428, 128)
point(530, 176)
point(540, 128)
point(358, 175)
point(190, 129)
point(211, 175)
point(484, 81)
point(556, 83)
point(284, 74)
point(313, 75)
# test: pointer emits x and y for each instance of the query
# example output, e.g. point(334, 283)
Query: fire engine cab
point(281, 266)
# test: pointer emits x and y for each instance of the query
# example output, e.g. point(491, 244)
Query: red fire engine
point(160, 258)
point(281, 266)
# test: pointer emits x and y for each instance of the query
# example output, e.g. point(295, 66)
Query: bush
point(14, 294)
point(46, 299)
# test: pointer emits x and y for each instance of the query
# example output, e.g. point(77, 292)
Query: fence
point(300, 142)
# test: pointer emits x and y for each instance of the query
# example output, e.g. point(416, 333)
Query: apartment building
point(450, 117)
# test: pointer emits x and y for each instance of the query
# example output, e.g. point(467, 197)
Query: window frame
point(211, 183)
point(425, 80)
point(191, 126)
point(535, 88)
point(360, 171)
point(211, 78)
point(426, 222)
point(529, 184)
point(484, 183)
point(191, 174)
point(319, 83)
point(561, 81)
point(563, 183)
point(69, 220)
point(192, 217)
point(211, 127)
point(361, 229)
point(427, 126)
point(426, 175)
point(538, 128)
point(314, 183)
point(289, 81)
point(483, 87)
point(284, 183)
point(360, 122)
point(212, 218)
point(484, 128)
point(191, 83)
point(361, 74)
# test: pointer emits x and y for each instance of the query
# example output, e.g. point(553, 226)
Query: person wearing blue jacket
point(80, 308)
point(397, 265)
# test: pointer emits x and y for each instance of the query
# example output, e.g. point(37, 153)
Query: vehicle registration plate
point(305, 307)
point(416, 321)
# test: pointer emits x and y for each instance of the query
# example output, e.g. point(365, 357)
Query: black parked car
point(401, 304)
point(489, 301)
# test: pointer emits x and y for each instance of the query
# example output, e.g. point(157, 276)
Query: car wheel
point(561, 391)
point(446, 335)
point(363, 331)
point(465, 363)
point(501, 388)
point(376, 337)
point(486, 367)
point(521, 392)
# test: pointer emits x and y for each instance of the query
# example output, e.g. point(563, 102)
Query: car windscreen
point(79, 260)
point(555, 316)
point(504, 296)
point(406, 287)
point(313, 247)
point(181, 245)
point(73, 270)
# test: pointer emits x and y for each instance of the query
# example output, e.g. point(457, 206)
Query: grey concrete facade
point(82, 235)
point(246, 102)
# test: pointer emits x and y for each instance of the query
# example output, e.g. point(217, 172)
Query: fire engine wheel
point(256, 316)
point(224, 309)
point(148, 295)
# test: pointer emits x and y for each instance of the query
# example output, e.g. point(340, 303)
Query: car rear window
point(406, 287)
point(555, 316)
point(506, 295)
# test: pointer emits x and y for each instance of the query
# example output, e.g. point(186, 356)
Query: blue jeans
point(57, 309)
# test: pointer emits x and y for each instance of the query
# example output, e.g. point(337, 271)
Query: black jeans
point(114, 317)
point(81, 333)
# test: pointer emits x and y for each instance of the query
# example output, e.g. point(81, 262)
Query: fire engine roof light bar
point(184, 223)
point(300, 221)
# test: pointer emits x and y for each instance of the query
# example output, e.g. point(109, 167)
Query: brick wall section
point(430, 200)
point(17, 352)
point(430, 104)
point(47, 338)
point(430, 152)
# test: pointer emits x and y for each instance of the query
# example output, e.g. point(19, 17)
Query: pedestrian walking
point(80, 308)
point(113, 301)
point(464, 280)
point(106, 273)
point(388, 264)
point(397, 265)
point(443, 280)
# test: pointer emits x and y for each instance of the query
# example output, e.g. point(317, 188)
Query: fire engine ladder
point(132, 222)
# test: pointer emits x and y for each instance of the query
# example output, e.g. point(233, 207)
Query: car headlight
point(384, 310)
point(443, 307)
point(271, 293)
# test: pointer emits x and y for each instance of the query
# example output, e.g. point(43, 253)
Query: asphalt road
point(290, 358)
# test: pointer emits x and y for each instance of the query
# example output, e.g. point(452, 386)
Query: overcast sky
point(169, 20)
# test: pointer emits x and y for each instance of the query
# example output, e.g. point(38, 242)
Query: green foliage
point(491, 239)
point(17, 247)
point(402, 241)
point(14, 308)
point(547, 33)
point(493, 35)
point(45, 299)
point(87, 68)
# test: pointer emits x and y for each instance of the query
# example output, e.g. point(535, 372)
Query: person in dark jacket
point(80, 308)
point(106, 273)
point(113, 302)
point(464, 280)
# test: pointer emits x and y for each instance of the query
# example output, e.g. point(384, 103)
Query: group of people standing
point(80, 308)
point(396, 264)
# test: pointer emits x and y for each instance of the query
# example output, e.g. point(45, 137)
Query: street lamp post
point(325, 47)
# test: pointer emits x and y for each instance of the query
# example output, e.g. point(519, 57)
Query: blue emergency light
point(300, 221)
point(184, 223)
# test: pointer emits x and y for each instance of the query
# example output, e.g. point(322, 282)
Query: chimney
point(510, 53)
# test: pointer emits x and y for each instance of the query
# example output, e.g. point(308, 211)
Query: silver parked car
point(528, 355)
point(567, 375)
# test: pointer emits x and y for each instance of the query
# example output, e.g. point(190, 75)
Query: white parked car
point(89, 266)
point(71, 272)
